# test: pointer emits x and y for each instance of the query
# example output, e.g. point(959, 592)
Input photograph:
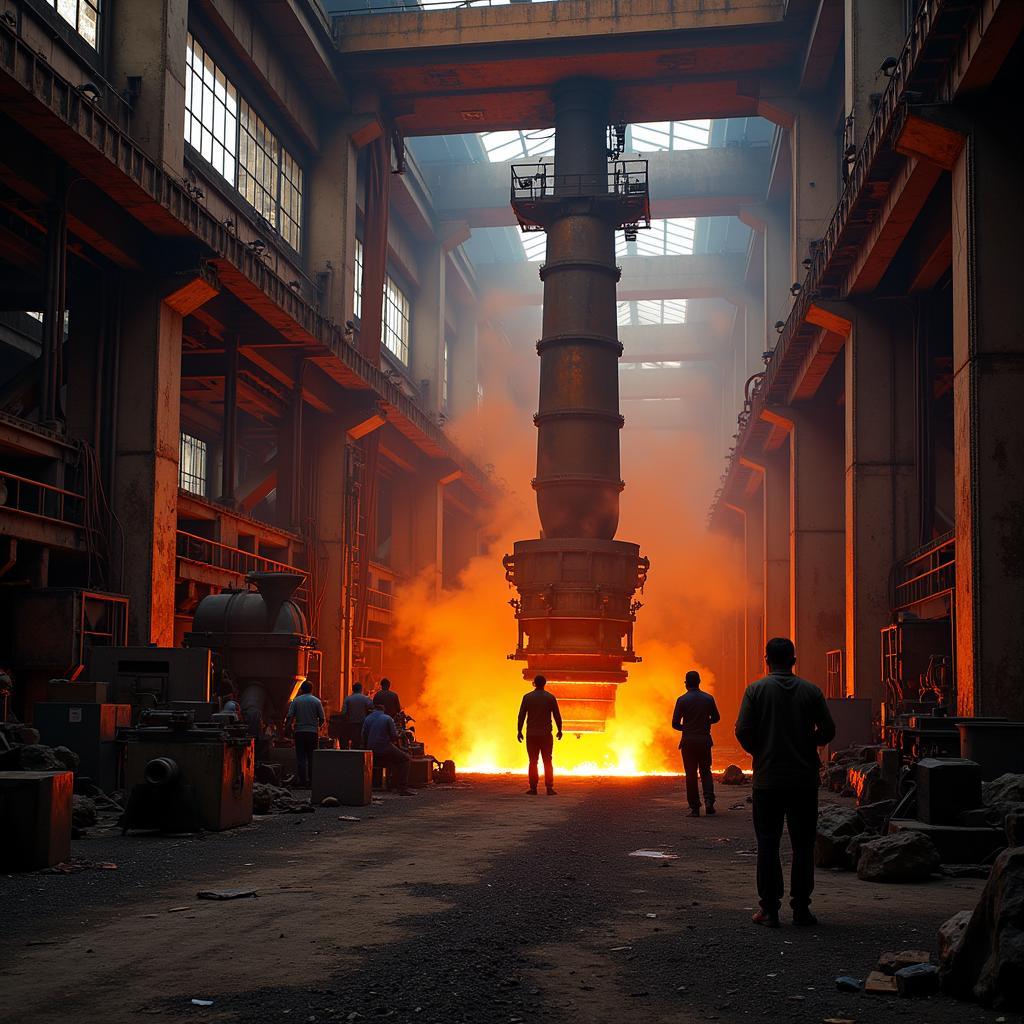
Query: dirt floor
point(475, 903)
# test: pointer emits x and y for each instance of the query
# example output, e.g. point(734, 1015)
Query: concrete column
point(881, 477)
point(332, 553)
point(815, 184)
point(426, 358)
point(753, 553)
point(331, 231)
point(428, 526)
point(988, 358)
point(874, 30)
point(290, 437)
point(773, 468)
point(816, 537)
point(148, 41)
point(148, 438)
point(463, 368)
point(777, 269)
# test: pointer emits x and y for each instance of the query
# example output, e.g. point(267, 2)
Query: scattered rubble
point(83, 812)
point(847, 984)
point(733, 776)
point(877, 814)
point(880, 984)
point(267, 799)
point(225, 894)
point(836, 827)
point(903, 857)
point(987, 961)
point(917, 980)
point(951, 936)
point(890, 962)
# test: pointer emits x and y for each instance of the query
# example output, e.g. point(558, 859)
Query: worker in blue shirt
point(306, 716)
point(694, 714)
point(380, 736)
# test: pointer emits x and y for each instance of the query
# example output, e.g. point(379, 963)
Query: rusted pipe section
point(575, 609)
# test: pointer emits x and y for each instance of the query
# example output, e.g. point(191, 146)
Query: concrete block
point(880, 984)
point(956, 844)
point(421, 771)
point(946, 787)
point(344, 774)
point(35, 819)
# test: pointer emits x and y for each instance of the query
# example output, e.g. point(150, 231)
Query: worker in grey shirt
point(306, 716)
point(354, 710)
point(380, 736)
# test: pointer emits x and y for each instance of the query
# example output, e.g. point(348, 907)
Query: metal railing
point(626, 178)
point(928, 573)
point(236, 561)
point(41, 501)
point(339, 8)
point(824, 251)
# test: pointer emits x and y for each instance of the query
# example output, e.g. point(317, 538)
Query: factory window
point(517, 145)
point(658, 136)
point(658, 364)
point(259, 163)
point(83, 16)
point(228, 133)
point(396, 321)
point(211, 111)
point(357, 299)
point(652, 311)
point(668, 237)
point(192, 465)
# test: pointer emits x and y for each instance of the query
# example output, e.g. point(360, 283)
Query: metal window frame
point(190, 449)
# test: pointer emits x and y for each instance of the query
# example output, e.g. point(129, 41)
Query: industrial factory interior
point(511, 511)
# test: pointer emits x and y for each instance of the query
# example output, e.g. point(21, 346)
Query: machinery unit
point(55, 631)
point(917, 674)
point(149, 677)
point(90, 730)
point(260, 639)
point(946, 787)
point(181, 776)
point(575, 609)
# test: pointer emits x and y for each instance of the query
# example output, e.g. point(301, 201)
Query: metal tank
point(261, 638)
point(576, 584)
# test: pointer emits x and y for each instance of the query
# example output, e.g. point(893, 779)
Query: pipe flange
point(579, 414)
point(574, 479)
point(597, 266)
point(597, 340)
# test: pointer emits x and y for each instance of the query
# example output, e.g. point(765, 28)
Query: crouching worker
point(380, 736)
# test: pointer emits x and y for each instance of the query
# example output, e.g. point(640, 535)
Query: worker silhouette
point(386, 699)
point(537, 710)
point(695, 713)
point(783, 720)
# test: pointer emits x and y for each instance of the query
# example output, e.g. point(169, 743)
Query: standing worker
point(306, 716)
point(380, 737)
point(386, 699)
point(695, 713)
point(354, 709)
point(783, 720)
point(537, 710)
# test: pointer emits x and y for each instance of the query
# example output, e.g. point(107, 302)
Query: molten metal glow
point(468, 698)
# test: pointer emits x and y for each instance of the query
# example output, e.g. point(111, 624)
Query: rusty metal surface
point(575, 610)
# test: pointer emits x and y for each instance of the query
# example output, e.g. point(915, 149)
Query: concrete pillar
point(288, 509)
point(773, 468)
point(148, 41)
point(148, 438)
point(881, 477)
point(330, 242)
point(427, 538)
point(463, 368)
point(815, 183)
point(874, 30)
point(426, 357)
point(777, 269)
point(988, 360)
point(332, 554)
point(816, 537)
point(753, 553)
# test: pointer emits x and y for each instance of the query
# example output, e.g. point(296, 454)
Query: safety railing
point(236, 561)
point(626, 178)
point(41, 501)
point(823, 252)
point(341, 7)
point(928, 573)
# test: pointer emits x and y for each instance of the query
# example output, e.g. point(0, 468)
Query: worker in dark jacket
point(783, 720)
point(694, 715)
point(537, 710)
point(386, 699)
